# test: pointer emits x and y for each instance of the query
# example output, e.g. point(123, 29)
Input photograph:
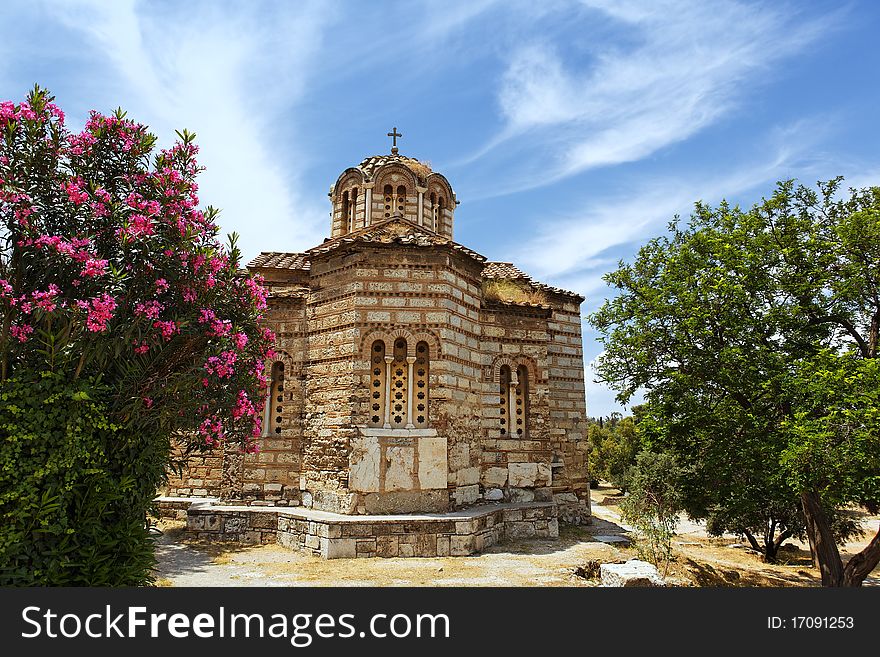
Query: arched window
point(401, 199)
point(346, 211)
point(389, 192)
point(399, 386)
point(377, 384)
point(433, 212)
point(353, 213)
point(521, 401)
point(420, 385)
point(274, 420)
point(504, 399)
point(438, 214)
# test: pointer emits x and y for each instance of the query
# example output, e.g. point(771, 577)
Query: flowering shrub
point(108, 267)
point(112, 277)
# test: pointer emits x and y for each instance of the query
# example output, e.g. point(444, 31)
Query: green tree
point(653, 504)
point(725, 323)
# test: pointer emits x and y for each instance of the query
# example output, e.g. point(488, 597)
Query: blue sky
point(572, 131)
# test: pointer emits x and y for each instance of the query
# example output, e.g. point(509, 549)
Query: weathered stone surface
point(495, 477)
point(521, 495)
point(630, 574)
point(399, 471)
point(494, 494)
point(523, 475)
point(432, 462)
point(466, 495)
point(365, 456)
point(468, 476)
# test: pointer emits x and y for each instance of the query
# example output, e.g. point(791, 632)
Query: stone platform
point(337, 536)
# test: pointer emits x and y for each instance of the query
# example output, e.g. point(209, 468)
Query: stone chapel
point(412, 375)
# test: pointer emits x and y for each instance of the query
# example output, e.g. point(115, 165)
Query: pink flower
point(168, 329)
point(149, 309)
point(100, 312)
point(161, 286)
point(94, 267)
point(141, 348)
point(240, 340)
point(21, 333)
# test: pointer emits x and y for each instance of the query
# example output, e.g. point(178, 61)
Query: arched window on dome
point(438, 214)
point(346, 211)
point(400, 201)
point(433, 212)
point(389, 199)
point(353, 212)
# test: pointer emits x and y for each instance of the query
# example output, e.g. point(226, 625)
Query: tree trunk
point(861, 565)
point(822, 540)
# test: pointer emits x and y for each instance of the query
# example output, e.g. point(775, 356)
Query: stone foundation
point(335, 536)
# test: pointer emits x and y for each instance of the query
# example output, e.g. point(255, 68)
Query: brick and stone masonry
point(412, 375)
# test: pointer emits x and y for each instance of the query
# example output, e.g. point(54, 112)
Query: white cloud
point(227, 74)
point(688, 64)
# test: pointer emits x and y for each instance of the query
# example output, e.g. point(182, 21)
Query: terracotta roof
point(395, 230)
point(507, 271)
point(277, 260)
point(369, 164)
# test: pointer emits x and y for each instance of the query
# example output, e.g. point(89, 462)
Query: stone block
point(545, 474)
point(399, 470)
point(468, 476)
point(523, 475)
point(443, 546)
point(386, 546)
point(364, 461)
point(466, 494)
point(496, 477)
point(633, 573)
point(521, 495)
point(339, 548)
point(432, 462)
point(494, 495)
point(461, 546)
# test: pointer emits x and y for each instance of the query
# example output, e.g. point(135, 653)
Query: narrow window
point(377, 384)
point(399, 384)
point(401, 199)
point(353, 213)
point(504, 399)
point(345, 212)
point(433, 212)
point(522, 401)
point(438, 216)
point(389, 191)
point(421, 372)
point(274, 408)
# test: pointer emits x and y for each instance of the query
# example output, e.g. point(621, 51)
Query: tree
point(724, 323)
point(112, 278)
point(653, 504)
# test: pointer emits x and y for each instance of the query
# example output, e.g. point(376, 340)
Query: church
point(412, 375)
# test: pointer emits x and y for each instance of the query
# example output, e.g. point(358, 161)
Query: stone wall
point(201, 475)
point(568, 414)
point(333, 537)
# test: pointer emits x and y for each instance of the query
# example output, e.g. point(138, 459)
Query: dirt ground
point(699, 561)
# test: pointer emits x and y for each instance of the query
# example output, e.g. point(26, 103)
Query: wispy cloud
point(681, 67)
point(227, 73)
point(572, 250)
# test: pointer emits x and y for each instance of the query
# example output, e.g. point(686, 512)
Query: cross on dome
point(394, 135)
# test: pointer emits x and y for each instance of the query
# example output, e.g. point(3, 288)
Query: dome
point(369, 165)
